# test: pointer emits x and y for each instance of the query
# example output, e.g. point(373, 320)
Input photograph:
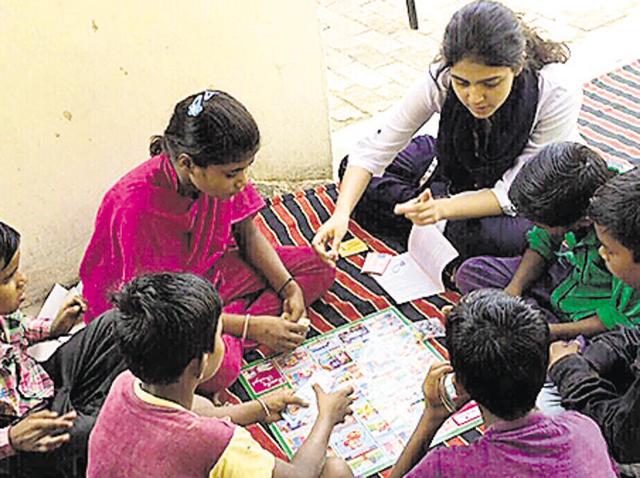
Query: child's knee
point(467, 274)
point(327, 273)
point(336, 468)
point(316, 265)
point(311, 269)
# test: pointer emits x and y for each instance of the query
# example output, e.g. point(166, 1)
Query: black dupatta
point(474, 153)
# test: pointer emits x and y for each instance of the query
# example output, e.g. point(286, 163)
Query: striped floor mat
point(610, 116)
point(609, 121)
point(292, 219)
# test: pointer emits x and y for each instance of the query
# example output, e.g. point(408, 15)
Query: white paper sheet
point(418, 272)
point(52, 304)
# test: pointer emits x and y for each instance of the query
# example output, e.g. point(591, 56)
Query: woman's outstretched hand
point(423, 210)
point(330, 235)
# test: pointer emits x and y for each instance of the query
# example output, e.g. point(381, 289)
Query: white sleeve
point(501, 188)
point(392, 131)
point(556, 120)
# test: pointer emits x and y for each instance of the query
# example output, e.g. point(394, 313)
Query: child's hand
point(331, 234)
point(334, 406)
point(431, 390)
point(560, 349)
point(446, 311)
point(293, 304)
point(277, 333)
point(41, 431)
point(277, 401)
point(423, 210)
point(69, 315)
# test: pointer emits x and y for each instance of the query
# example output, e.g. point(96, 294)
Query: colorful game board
point(385, 359)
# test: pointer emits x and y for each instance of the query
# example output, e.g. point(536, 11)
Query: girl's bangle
point(267, 412)
point(245, 327)
point(286, 283)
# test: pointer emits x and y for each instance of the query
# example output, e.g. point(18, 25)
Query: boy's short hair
point(499, 350)
point(616, 207)
point(554, 187)
point(9, 243)
point(163, 321)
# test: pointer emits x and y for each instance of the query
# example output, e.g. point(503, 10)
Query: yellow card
point(352, 247)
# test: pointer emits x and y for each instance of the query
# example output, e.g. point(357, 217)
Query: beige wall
point(85, 83)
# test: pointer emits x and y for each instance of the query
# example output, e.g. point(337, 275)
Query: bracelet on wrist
point(245, 327)
point(283, 286)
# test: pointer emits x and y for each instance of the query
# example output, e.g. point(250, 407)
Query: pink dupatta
point(143, 225)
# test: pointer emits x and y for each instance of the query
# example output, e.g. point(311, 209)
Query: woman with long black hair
point(502, 93)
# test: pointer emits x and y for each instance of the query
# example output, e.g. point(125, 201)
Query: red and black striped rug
point(610, 116)
point(609, 121)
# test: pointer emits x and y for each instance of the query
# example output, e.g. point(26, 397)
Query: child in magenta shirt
point(190, 208)
point(499, 353)
point(148, 425)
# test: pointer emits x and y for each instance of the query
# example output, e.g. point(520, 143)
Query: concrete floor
point(373, 57)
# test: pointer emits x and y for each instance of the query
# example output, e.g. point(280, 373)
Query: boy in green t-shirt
point(561, 271)
point(602, 381)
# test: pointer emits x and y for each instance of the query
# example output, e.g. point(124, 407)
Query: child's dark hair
point(9, 243)
point(616, 207)
point(499, 350)
point(490, 33)
point(212, 127)
point(163, 321)
point(555, 186)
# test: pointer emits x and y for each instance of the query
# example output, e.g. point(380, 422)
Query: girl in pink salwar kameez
point(190, 208)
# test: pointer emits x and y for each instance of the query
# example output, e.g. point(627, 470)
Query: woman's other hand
point(424, 209)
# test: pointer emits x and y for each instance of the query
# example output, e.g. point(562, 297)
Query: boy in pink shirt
point(168, 328)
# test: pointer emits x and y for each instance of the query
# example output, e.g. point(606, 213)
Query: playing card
point(352, 247)
point(376, 263)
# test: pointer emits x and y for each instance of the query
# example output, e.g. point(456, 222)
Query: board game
point(385, 358)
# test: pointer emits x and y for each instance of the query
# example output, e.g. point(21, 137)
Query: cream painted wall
point(85, 83)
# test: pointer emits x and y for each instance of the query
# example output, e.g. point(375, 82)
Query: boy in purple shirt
point(498, 347)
